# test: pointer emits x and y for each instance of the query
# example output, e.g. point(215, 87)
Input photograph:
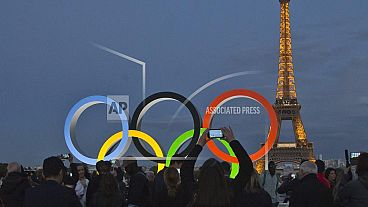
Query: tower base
point(287, 152)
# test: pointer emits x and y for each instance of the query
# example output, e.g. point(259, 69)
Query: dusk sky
point(48, 62)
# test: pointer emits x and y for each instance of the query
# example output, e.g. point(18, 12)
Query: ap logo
point(119, 105)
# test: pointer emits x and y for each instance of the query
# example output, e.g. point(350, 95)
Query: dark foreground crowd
point(180, 185)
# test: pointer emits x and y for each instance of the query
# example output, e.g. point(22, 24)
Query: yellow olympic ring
point(132, 133)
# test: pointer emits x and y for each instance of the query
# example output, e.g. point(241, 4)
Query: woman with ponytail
point(172, 179)
point(173, 194)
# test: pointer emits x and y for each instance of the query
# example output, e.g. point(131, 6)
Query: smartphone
point(354, 158)
point(215, 133)
point(354, 154)
point(64, 156)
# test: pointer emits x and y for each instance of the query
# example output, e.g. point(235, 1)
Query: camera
point(65, 156)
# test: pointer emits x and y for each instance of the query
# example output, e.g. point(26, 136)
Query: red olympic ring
point(237, 93)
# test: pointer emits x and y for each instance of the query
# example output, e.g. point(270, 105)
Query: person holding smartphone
point(213, 189)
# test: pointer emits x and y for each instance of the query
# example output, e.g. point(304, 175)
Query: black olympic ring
point(153, 99)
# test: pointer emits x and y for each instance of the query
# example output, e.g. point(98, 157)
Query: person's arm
point(245, 163)
point(187, 168)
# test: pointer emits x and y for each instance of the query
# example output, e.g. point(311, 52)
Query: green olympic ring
point(188, 135)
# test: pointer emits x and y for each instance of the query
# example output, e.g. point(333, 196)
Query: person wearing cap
point(138, 192)
point(51, 192)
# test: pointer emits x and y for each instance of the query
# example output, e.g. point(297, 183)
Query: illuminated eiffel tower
point(286, 105)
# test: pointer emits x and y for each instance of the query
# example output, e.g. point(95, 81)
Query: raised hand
point(203, 138)
point(228, 134)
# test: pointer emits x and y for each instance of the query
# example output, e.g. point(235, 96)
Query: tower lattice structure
point(286, 105)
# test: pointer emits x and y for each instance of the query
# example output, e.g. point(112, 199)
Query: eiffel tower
point(286, 105)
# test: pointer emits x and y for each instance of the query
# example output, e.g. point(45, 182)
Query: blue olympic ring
point(72, 118)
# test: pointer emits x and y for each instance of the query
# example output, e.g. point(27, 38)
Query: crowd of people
point(127, 185)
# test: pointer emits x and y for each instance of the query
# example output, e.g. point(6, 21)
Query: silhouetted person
point(118, 173)
point(158, 183)
point(270, 182)
point(213, 189)
point(321, 173)
point(138, 192)
point(103, 167)
point(291, 183)
point(69, 184)
point(173, 194)
point(14, 186)
point(330, 175)
point(108, 193)
point(355, 193)
point(38, 177)
point(51, 193)
point(310, 192)
point(254, 194)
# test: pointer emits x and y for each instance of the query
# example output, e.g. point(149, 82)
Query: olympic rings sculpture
point(134, 131)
